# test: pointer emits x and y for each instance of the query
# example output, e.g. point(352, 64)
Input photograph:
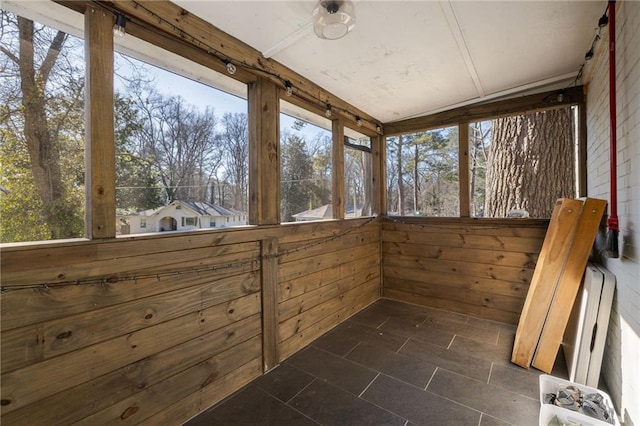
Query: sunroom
point(372, 188)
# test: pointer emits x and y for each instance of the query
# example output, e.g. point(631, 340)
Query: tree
point(234, 140)
point(320, 152)
point(479, 141)
point(399, 173)
point(180, 142)
point(357, 177)
point(440, 172)
point(531, 163)
point(296, 175)
point(42, 94)
point(136, 180)
point(428, 166)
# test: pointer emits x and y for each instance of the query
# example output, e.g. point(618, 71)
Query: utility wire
point(114, 279)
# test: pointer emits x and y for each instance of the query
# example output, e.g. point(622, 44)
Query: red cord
point(613, 217)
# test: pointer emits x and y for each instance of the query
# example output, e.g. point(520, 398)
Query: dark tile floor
point(393, 364)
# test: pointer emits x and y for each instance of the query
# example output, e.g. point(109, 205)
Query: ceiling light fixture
point(333, 19)
point(118, 27)
point(231, 69)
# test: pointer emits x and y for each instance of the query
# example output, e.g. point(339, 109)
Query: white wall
point(621, 365)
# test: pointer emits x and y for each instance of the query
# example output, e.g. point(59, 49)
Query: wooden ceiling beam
point(184, 28)
point(487, 111)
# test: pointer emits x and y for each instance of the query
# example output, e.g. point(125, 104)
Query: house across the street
point(181, 216)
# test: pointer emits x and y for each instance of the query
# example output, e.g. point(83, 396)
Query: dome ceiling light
point(333, 19)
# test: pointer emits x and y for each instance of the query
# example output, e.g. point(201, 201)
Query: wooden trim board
point(554, 252)
point(568, 284)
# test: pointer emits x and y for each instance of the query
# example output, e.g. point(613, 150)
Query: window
point(41, 187)
point(143, 223)
point(422, 173)
point(357, 177)
point(479, 143)
point(212, 224)
point(177, 137)
point(519, 165)
point(305, 164)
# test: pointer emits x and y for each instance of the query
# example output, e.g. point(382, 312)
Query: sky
point(202, 95)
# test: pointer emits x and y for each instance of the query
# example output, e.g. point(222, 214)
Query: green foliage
point(20, 206)
point(429, 172)
point(136, 180)
point(32, 210)
point(296, 175)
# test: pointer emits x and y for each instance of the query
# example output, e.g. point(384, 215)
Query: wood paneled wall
point(321, 286)
point(478, 267)
point(154, 329)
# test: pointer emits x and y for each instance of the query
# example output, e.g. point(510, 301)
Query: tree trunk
point(531, 163)
point(43, 148)
point(399, 172)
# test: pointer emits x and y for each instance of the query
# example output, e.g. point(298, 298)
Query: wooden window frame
point(463, 116)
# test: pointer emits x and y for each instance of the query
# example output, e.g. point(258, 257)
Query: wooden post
point(100, 162)
point(270, 350)
point(379, 172)
point(463, 168)
point(337, 166)
point(264, 153)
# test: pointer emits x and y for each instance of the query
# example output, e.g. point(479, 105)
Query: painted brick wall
point(621, 365)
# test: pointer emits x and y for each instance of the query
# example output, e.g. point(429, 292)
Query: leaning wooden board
point(568, 285)
point(553, 255)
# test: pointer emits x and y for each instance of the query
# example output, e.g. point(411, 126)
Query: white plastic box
point(551, 384)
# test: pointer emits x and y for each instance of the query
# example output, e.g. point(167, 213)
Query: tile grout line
point(423, 321)
point(490, 371)
point(302, 390)
point(350, 350)
point(403, 345)
point(431, 378)
point(451, 342)
point(298, 411)
point(367, 387)
point(383, 323)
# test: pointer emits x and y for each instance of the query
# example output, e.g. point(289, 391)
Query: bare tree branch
point(52, 55)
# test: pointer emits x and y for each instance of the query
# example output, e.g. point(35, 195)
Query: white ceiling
point(412, 58)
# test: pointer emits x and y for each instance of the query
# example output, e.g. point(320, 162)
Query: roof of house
point(208, 209)
point(198, 207)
